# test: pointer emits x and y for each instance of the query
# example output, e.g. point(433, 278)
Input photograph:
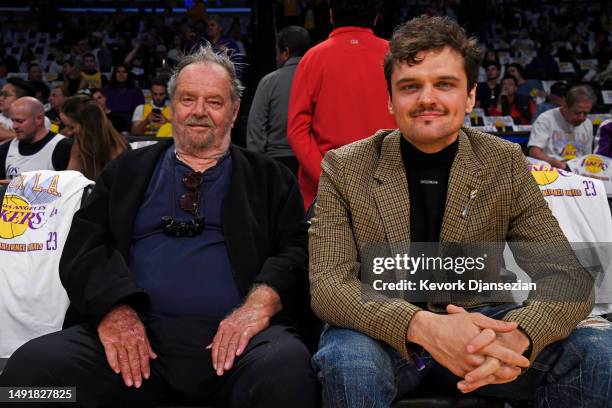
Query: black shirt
point(487, 96)
point(59, 158)
point(427, 175)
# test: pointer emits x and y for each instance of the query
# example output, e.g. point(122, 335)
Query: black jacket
point(263, 221)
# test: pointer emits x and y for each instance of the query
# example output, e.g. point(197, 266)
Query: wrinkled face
point(35, 73)
point(89, 63)
point(430, 99)
point(26, 124)
point(122, 74)
point(100, 99)
point(214, 29)
point(204, 112)
point(7, 97)
point(509, 86)
point(56, 98)
point(158, 94)
point(71, 127)
point(577, 113)
point(492, 72)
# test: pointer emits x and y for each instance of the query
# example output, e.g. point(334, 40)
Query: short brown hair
point(426, 33)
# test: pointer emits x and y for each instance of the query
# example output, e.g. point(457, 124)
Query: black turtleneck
point(427, 175)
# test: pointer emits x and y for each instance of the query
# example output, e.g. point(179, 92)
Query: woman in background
point(96, 142)
point(122, 95)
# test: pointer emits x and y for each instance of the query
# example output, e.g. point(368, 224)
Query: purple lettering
point(27, 217)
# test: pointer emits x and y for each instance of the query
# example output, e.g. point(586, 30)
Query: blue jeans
point(358, 371)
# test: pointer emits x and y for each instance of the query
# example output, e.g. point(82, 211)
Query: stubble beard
point(198, 142)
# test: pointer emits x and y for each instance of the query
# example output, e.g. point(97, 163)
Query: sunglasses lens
point(192, 180)
point(190, 202)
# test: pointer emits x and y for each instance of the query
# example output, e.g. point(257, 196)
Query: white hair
point(205, 54)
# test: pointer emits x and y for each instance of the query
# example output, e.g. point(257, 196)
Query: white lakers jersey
point(36, 215)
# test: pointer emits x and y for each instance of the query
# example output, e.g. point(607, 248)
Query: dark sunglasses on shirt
point(190, 203)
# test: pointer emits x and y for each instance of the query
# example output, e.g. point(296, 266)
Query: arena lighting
point(228, 10)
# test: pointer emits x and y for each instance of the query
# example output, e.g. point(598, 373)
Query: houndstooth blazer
point(363, 199)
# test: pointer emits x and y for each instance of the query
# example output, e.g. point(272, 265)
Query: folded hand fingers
point(489, 367)
point(506, 355)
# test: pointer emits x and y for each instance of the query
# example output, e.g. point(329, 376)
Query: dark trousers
point(274, 370)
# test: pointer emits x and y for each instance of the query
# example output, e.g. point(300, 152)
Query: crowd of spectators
point(123, 59)
point(121, 53)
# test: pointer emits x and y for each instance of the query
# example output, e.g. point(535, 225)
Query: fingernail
point(138, 384)
point(146, 376)
point(129, 383)
point(227, 366)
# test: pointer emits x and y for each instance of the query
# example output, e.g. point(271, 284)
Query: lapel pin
point(466, 210)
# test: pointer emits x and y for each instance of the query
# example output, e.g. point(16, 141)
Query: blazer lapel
point(464, 186)
point(391, 193)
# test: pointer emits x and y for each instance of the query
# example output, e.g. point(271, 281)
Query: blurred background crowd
point(124, 48)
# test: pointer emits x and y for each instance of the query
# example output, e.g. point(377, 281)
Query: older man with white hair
point(35, 147)
point(185, 269)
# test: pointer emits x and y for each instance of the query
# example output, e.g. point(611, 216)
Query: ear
point(471, 99)
point(286, 53)
point(390, 106)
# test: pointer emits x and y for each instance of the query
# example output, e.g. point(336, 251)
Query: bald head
point(31, 104)
point(28, 116)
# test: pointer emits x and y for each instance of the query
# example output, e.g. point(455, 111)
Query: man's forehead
point(582, 106)
point(445, 66)
point(200, 74)
point(19, 109)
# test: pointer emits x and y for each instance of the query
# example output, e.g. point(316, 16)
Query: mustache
point(200, 122)
point(420, 111)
